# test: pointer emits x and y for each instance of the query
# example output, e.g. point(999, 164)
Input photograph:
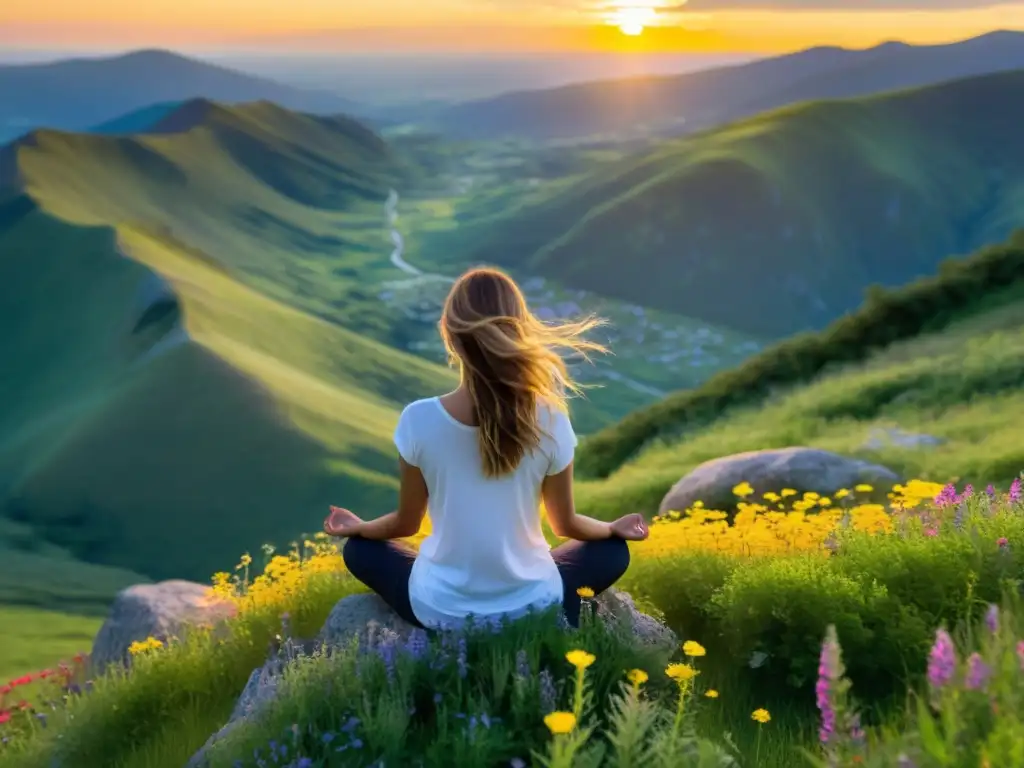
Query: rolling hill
point(777, 224)
point(684, 103)
point(182, 382)
point(78, 94)
point(942, 357)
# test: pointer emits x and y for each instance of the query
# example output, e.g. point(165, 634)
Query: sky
point(498, 26)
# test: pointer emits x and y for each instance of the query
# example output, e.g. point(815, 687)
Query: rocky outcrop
point(367, 620)
point(165, 611)
point(894, 437)
point(802, 469)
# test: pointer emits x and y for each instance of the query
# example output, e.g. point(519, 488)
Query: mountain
point(78, 94)
point(192, 364)
point(674, 104)
point(941, 358)
point(777, 224)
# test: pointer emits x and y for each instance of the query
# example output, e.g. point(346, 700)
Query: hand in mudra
point(631, 528)
point(341, 522)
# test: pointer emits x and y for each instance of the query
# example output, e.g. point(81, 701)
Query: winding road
point(391, 212)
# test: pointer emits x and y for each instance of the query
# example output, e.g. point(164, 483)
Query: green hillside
point(777, 224)
point(184, 380)
point(942, 357)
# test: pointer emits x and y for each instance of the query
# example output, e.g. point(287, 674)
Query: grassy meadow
point(753, 601)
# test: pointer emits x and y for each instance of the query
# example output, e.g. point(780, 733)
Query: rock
point(361, 617)
point(802, 469)
point(646, 630)
point(164, 610)
point(895, 437)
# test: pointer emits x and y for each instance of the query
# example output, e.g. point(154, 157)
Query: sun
point(632, 20)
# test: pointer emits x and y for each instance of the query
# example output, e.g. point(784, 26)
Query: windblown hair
point(511, 362)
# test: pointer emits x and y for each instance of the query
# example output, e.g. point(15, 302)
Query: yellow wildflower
point(580, 659)
point(711, 693)
point(637, 676)
point(560, 722)
point(743, 490)
point(842, 493)
point(786, 492)
point(245, 562)
point(693, 648)
point(681, 673)
point(761, 715)
point(142, 646)
point(863, 488)
point(585, 592)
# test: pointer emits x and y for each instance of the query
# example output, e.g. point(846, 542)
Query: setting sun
point(633, 19)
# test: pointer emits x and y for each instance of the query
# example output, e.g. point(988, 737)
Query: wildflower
point(1020, 654)
point(863, 488)
point(947, 497)
point(761, 716)
point(244, 562)
point(941, 661)
point(517, 762)
point(4, 717)
point(990, 491)
point(978, 673)
point(829, 672)
point(1015, 492)
point(1002, 542)
point(992, 618)
point(560, 722)
point(681, 673)
point(711, 693)
point(417, 644)
point(546, 687)
point(585, 592)
point(522, 664)
point(743, 490)
point(694, 649)
point(637, 677)
point(787, 492)
point(580, 659)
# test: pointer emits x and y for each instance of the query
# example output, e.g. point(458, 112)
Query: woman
point(485, 456)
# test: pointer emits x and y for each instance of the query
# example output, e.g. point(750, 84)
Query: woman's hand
point(631, 528)
point(342, 522)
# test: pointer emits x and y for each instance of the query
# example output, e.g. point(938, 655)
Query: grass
point(833, 197)
point(885, 591)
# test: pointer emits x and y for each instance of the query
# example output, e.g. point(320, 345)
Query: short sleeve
point(405, 438)
point(564, 442)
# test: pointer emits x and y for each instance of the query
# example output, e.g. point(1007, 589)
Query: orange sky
point(499, 25)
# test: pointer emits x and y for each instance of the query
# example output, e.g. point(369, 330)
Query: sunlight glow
point(633, 19)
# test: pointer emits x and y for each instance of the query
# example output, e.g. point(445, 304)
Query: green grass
point(831, 197)
point(34, 638)
point(168, 458)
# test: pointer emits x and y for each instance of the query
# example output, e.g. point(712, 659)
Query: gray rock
point(361, 618)
point(802, 469)
point(165, 611)
point(619, 607)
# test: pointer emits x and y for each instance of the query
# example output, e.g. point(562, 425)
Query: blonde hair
point(510, 362)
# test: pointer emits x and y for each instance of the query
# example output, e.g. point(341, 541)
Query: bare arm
point(558, 501)
point(412, 506)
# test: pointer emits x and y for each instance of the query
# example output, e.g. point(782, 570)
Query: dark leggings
point(385, 566)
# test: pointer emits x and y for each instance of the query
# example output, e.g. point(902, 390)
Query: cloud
point(831, 5)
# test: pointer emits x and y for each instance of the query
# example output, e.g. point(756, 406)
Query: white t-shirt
point(486, 554)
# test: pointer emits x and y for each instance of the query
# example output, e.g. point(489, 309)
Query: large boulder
point(165, 611)
point(802, 469)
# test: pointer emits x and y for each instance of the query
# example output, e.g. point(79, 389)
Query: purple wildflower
point(1015, 493)
point(829, 672)
point(461, 660)
point(991, 491)
point(417, 644)
point(978, 673)
point(388, 652)
point(304, 762)
point(968, 492)
point(992, 618)
point(947, 497)
point(941, 661)
point(517, 762)
point(547, 691)
point(522, 664)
